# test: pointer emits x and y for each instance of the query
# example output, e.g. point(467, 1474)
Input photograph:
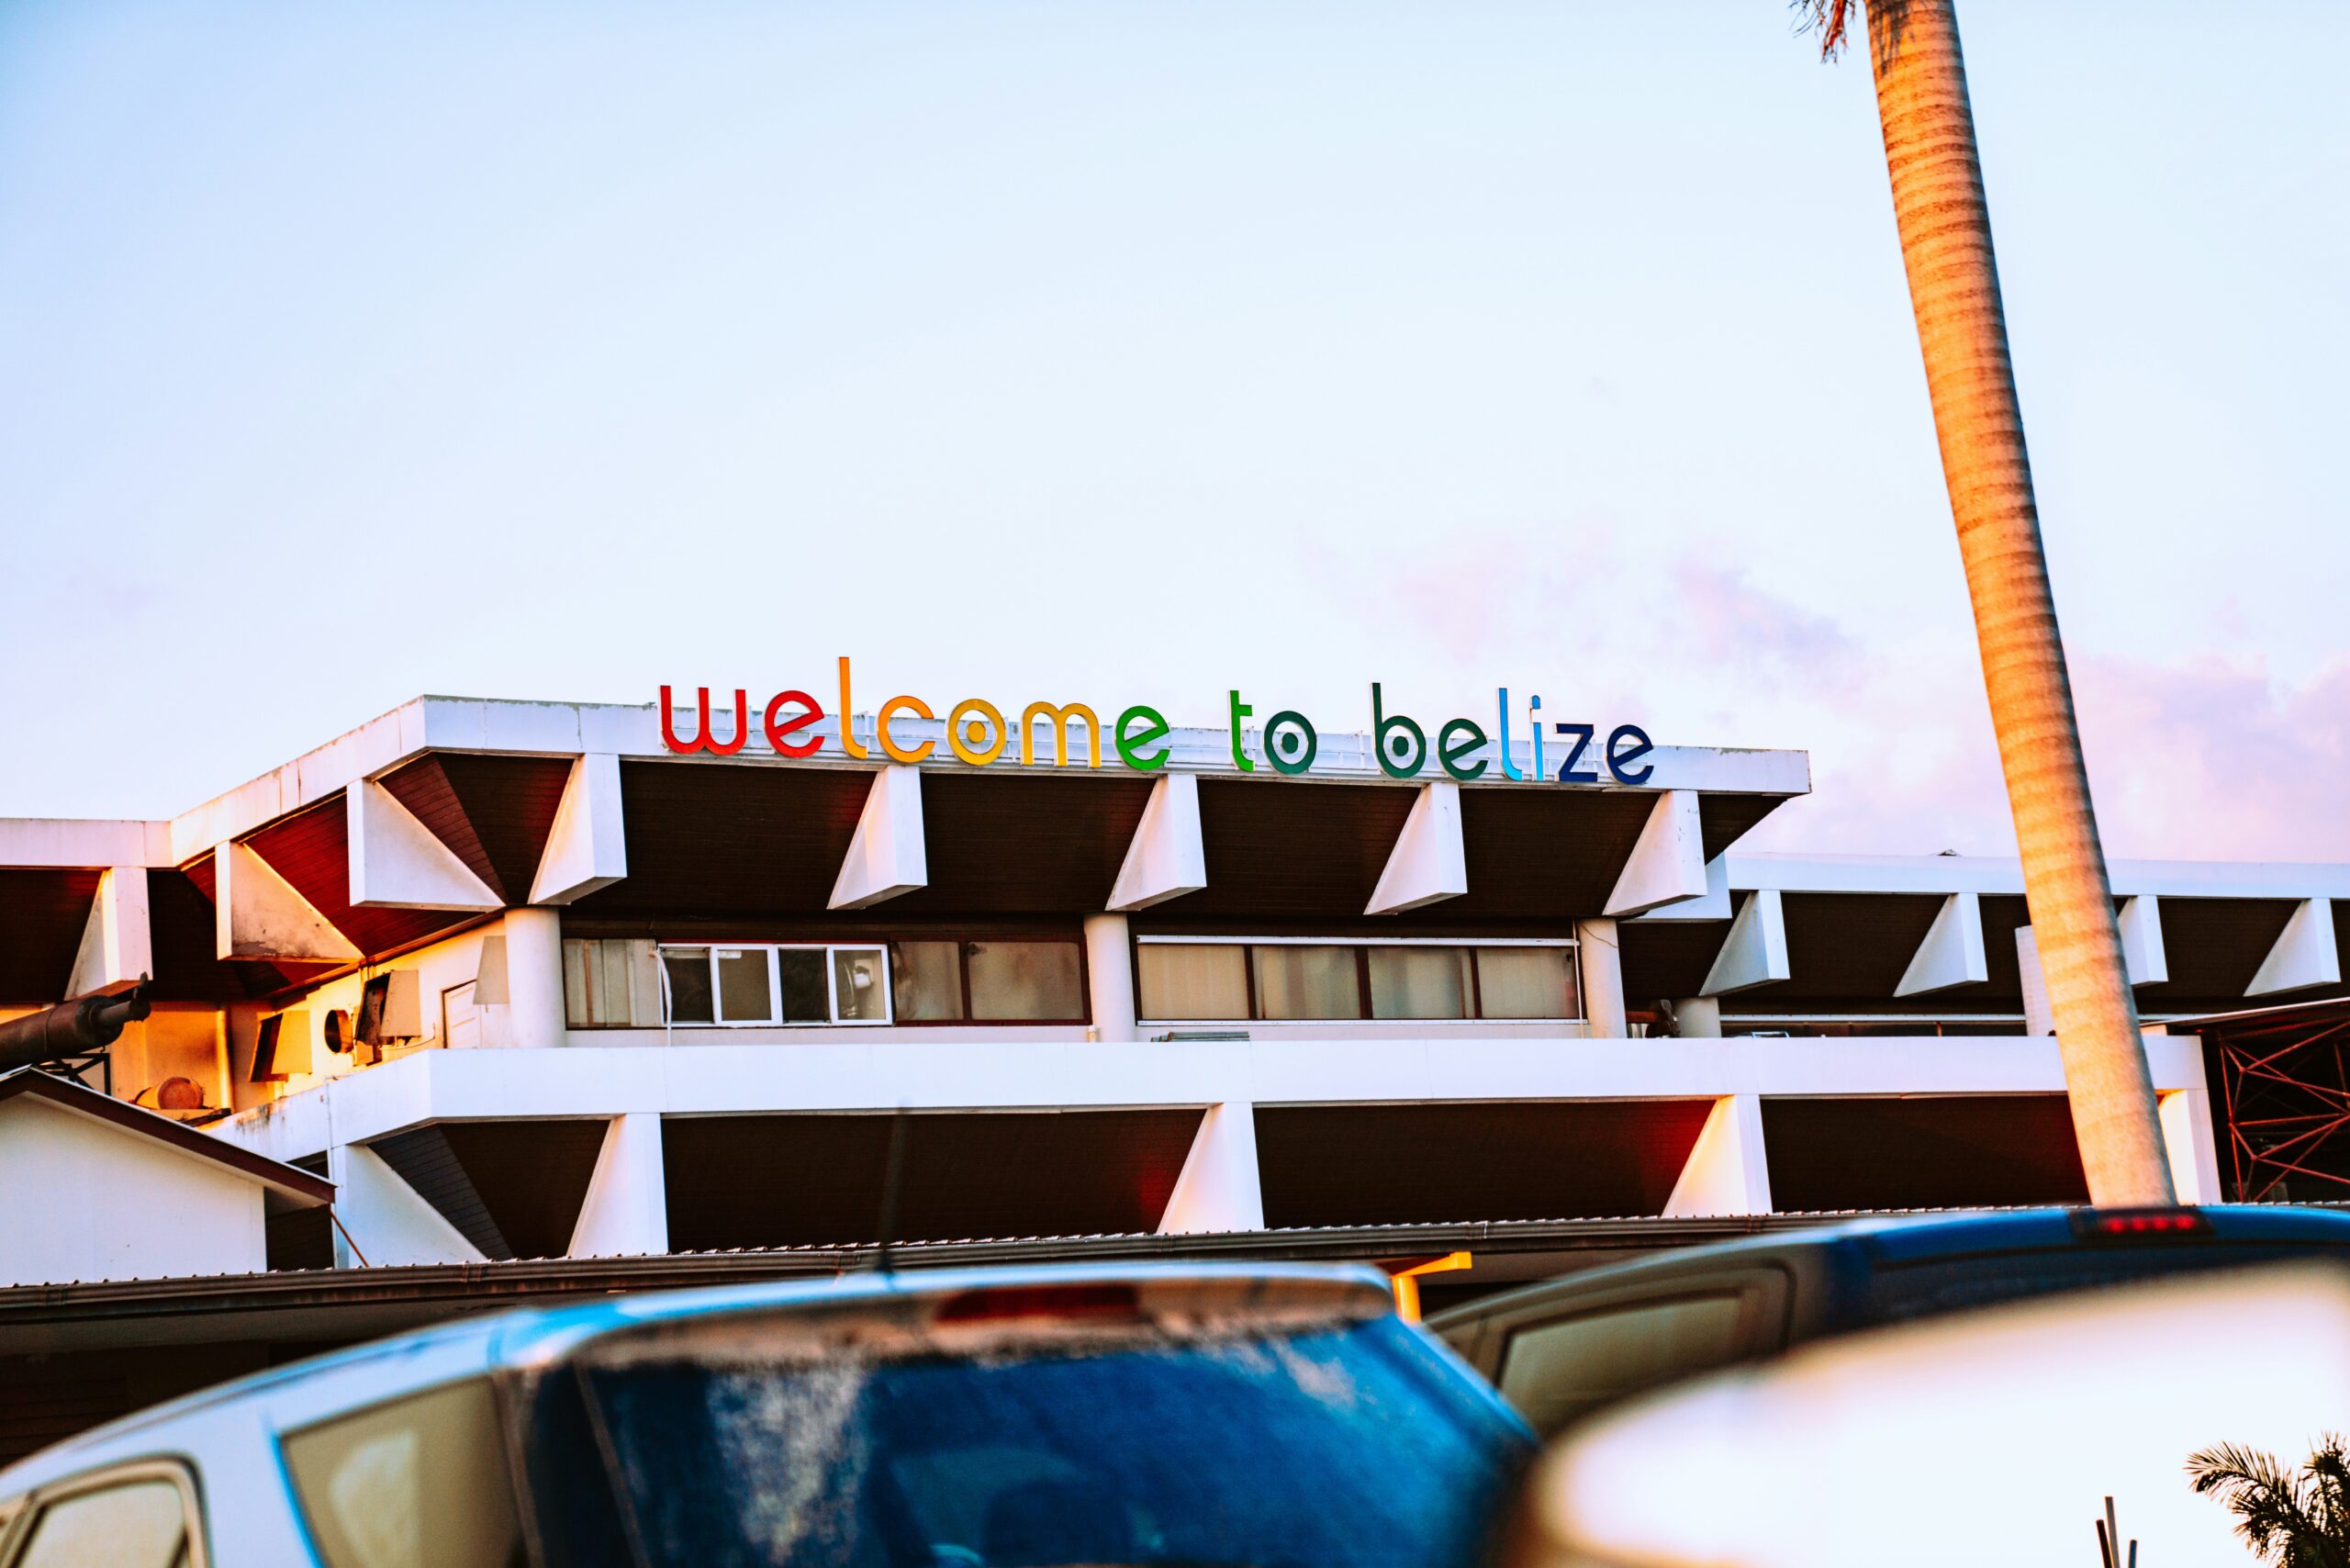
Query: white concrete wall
point(89, 1200)
point(176, 1040)
point(438, 968)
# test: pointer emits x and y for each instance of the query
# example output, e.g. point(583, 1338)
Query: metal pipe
point(70, 1028)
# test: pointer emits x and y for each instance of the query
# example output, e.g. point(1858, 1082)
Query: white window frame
point(1452, 942)
point(774, 1020)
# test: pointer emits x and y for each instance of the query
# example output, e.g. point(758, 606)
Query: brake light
point(2112, 1224)
point(1093, 1302)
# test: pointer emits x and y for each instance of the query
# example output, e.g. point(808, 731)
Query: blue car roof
point(530, 1335)
point(1912, 1241)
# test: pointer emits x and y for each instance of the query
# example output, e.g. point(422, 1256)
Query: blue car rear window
point(1329, 1449)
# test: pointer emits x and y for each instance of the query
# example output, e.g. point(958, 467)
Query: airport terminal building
point(487, 1002)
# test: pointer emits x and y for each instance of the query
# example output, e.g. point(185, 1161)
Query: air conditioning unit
point(282, 1047)
point(391, 1008)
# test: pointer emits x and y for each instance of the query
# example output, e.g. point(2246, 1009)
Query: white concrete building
point(534, 980)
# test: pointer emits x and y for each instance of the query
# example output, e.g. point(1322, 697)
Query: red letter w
point(703, 740)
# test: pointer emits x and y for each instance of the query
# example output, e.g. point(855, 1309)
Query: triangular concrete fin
point(886, 857)
point(398, 863)
point(2304, 954)
point(259, 914)
point(1429, 861)
point(1755, 951)
point(1951, 953)
point(588, 846)
point(1668, 861)
point(1167, 856)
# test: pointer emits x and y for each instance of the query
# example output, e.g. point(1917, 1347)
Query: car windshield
point(1325, 1448)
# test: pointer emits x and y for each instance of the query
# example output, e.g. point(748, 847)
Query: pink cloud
point(2199, 758)
point(2215, 758)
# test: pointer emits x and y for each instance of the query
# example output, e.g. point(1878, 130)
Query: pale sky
point(1133, 353)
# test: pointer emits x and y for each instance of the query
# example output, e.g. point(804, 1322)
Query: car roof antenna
point(893, 1170)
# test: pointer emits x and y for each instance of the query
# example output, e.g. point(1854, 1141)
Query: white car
point(1069, 1415)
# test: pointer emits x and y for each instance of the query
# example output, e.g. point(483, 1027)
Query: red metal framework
point(2283, 1075)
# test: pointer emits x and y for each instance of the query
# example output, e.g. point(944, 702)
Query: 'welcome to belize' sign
point(977, 734)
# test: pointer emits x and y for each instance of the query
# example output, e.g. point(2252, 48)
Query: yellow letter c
point(881, 725)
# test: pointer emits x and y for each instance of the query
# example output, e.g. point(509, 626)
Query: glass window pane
point(1527, 983)
point(1205, 982)
point(860, 994)
point(805, 996)
point(578, 992)
point(1555, 1371)
point(744, 994)
point(1025, 979)
point(928, 979)
point(417, 1484)
point(689, 972)
point(643, 981)
point(1419, 982)
point(613, 1005)
point(142, 1525)
point(1307, 983)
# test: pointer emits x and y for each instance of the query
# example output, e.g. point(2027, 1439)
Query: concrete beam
point(886, 857)
point(1997, 874)
point(1951, 953)
point(626, 1212)
point(2142, 940)
point(1167, 856)
point(259, 914)
point(588, 846)
point(79, 843)
point(1429, 861)
point(1014, 1069)
point(2304, 954)
point(1218, 1189)
point(398, 863)
point(117, 948)
point(1668, 862)
point(1755, 951)
point(1726, 1172)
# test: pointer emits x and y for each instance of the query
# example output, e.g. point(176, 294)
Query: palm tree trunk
point(1954, 291)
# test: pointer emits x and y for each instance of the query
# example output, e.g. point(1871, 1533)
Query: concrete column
point(2187, 1138)
point(1110, 976)
point(534, 977)
point(2038, 1018)
point(1218, 1189)
point(627, 1210)
point(1698, 1017)
point(1727, 1172)
point(1603, 978)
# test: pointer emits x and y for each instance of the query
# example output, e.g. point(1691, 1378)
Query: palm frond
point(1830, 19)
point(2272, 1508)
point(2328, 1471)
